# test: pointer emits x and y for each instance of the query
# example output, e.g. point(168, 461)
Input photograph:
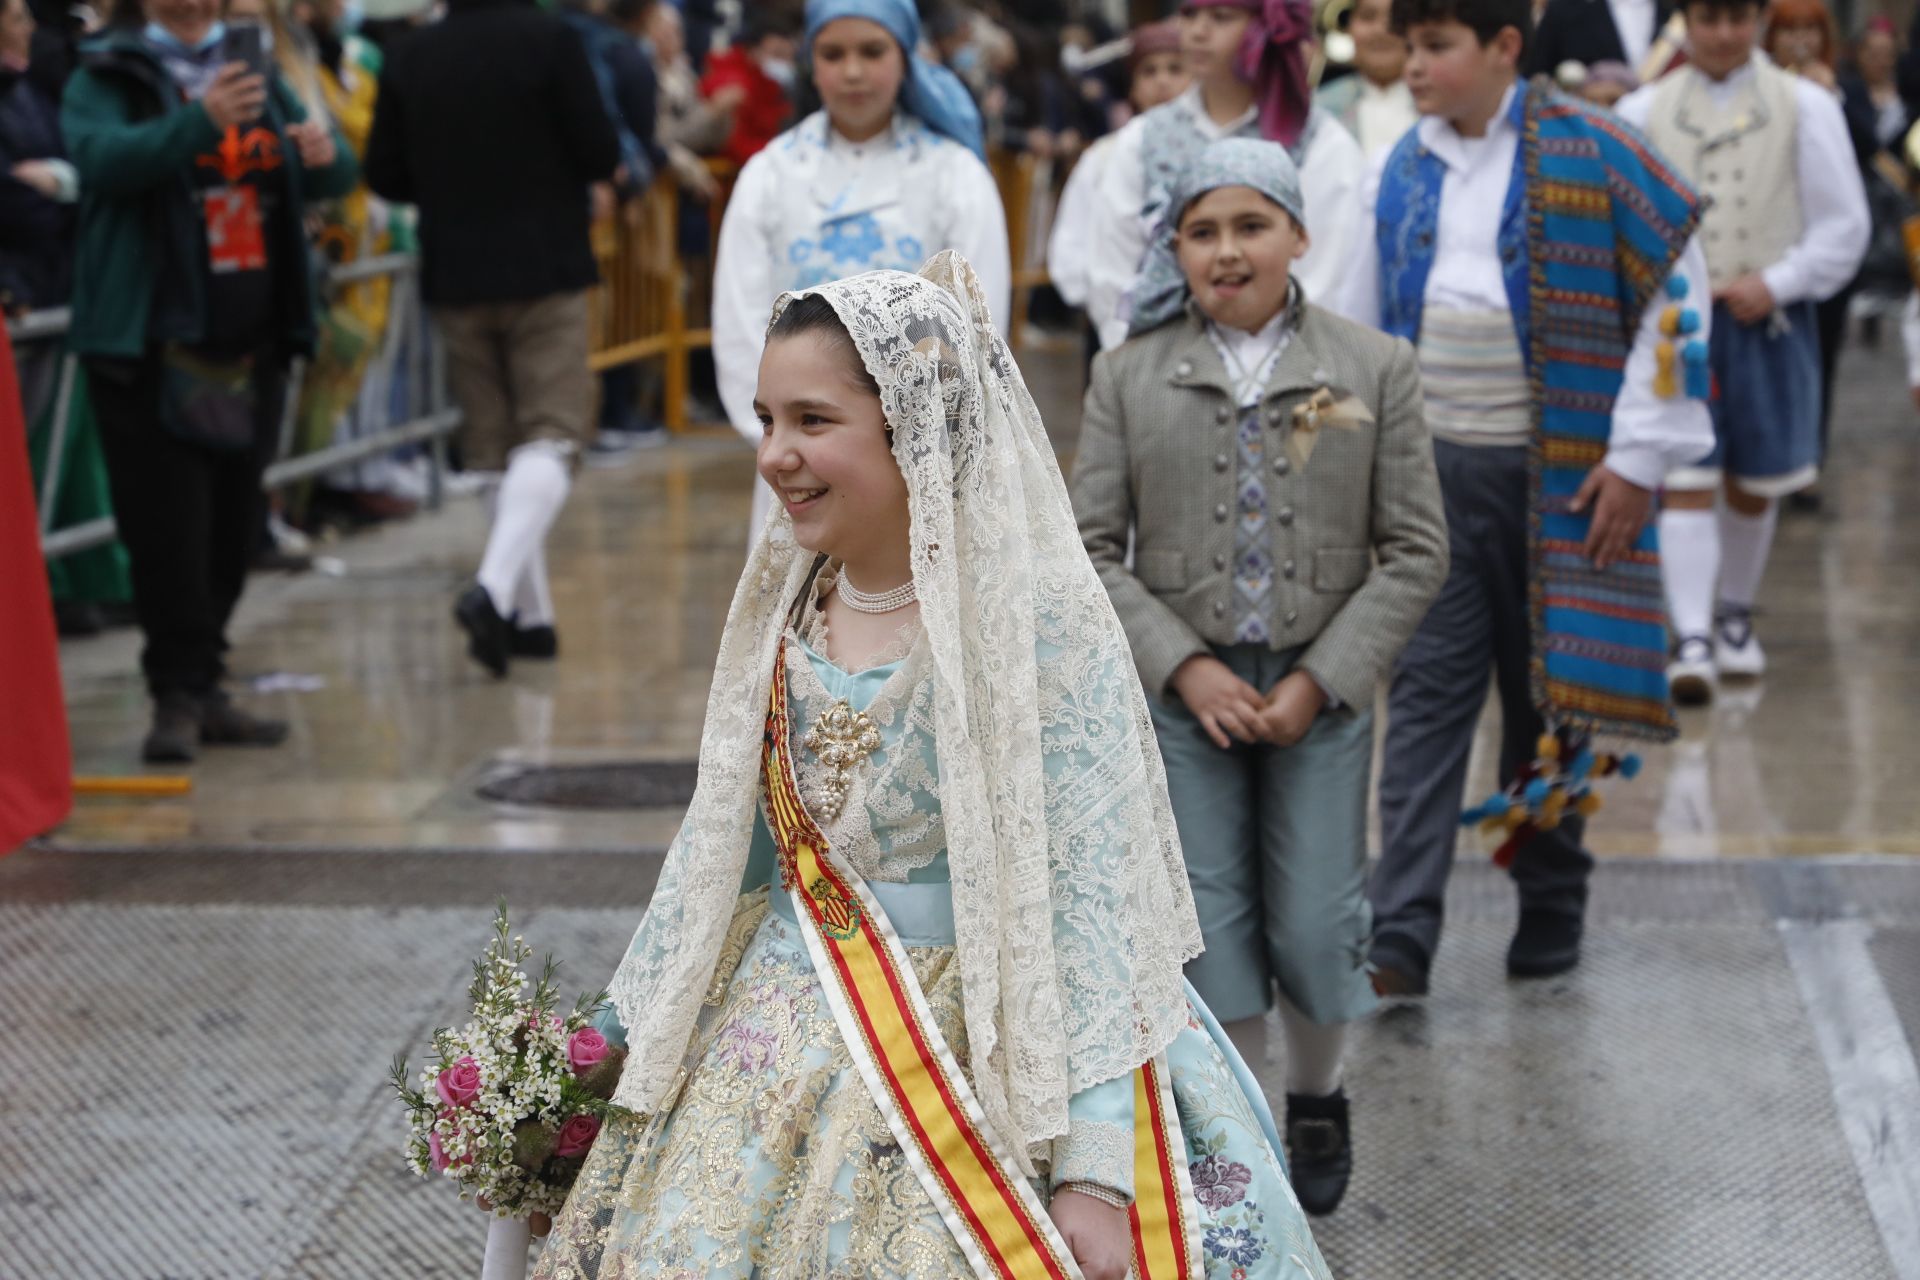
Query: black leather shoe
point(1397, 966)
point(175, 736)
point(224, 724)
point(535, 642)
point(489, 636)
point(1319, 1150)
point(1547, 943)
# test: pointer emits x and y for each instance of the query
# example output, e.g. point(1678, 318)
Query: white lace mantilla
point(1072, 912)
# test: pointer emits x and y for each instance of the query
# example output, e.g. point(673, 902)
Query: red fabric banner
point(36, 763)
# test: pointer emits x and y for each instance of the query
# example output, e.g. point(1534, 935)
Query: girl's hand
point(1098, 1234)
point(1291, 709)
point(1222, 702)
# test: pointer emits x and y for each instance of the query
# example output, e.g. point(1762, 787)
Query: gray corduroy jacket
point(1359, 534)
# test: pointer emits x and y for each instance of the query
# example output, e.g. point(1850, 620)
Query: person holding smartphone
point(191, 296)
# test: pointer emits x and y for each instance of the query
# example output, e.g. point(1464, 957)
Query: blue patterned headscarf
point(930, 92)
point(1159, 291)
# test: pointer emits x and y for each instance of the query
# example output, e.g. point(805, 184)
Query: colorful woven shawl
point(1594, 223)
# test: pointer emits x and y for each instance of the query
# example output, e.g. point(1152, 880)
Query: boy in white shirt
point(1786, 225)
point(1501, 239)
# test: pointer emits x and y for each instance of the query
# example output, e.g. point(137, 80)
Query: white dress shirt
point(813, 207)
point(1650, 435)
point(1075, 223)
point(1634, 21)
point(1329, 187)
point(1834, 220)
point(1383, 116)
point(1249, 356)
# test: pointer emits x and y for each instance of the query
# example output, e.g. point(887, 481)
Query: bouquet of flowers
point(512, 1101)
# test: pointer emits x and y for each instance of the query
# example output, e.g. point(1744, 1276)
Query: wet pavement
point(207, 989)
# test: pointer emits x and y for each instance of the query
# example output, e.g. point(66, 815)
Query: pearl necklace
point(880, 602)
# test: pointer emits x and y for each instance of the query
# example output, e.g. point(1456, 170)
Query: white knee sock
point(1745, 543)
point(1689, 565)
point(1249, 1036)
point(531, 495)
point(1315, 1052)
point(532, 596)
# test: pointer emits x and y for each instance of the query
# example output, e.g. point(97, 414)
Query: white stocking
point(1689, 566)
point(1745, 542)
point(531, 495)
point(533, 596)
point(1249, 1036)
point(1315, 1052)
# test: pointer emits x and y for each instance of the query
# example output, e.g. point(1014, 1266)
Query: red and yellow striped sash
point(994, 1213)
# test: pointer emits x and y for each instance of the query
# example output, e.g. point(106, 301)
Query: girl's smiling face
point(1237, 249)
point(824, 449)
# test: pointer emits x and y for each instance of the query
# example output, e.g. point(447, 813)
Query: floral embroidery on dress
point(747, 1046)
point(1234, 1244)
point(1219, 1182)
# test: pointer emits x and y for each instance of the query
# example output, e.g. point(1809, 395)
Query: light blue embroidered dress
point(771, 1159)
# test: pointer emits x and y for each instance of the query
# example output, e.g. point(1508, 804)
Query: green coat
point(140, 272)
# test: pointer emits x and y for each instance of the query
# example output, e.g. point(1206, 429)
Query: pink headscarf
point(1273, 59)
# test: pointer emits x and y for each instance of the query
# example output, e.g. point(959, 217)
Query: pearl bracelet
point(1093, 1190)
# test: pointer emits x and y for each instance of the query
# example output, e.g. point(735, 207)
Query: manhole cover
point(637, 784)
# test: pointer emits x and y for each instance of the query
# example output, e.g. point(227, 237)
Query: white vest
point(1743, 157)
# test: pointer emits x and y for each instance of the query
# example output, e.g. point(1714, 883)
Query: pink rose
point(440, 1160)
point(459, 1084)
point(585, 1048)
point(576, 1135)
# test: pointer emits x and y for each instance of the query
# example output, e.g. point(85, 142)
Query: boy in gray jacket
point(1270, 462)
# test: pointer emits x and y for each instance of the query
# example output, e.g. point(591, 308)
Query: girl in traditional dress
point(908, 999)
point(889, 172)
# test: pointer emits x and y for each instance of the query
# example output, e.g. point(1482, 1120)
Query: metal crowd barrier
point(405, 338)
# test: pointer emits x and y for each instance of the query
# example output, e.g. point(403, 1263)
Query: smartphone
point(246, 42)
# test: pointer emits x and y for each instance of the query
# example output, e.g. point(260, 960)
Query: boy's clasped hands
point(1230, 709)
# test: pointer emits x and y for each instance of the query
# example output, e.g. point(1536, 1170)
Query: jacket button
point(1219, 608)
point(1293, 616)
point(1222, 414)
point(1281, 466)
point(1285, 515)
point(1273, 414)
point(1219, 462)
point(1185, 369)
point(1220, 513)
point(1286, 570)
point(1220, 563)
